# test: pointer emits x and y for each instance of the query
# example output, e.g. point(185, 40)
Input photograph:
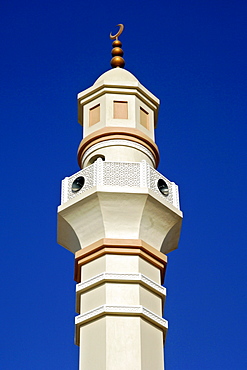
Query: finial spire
point(117, 52)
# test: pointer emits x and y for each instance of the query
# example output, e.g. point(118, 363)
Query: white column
point(120, 302)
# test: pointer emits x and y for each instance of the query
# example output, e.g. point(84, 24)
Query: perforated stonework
point(122, 174)
point(154, 177)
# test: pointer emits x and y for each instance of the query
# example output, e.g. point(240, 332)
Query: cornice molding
point(117, 310)
point(113, 277)
point(123, 247)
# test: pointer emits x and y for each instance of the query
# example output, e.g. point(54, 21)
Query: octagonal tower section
point(118, 116)
point(120, 217)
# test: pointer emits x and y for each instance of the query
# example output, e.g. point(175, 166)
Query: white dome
point(116, 75)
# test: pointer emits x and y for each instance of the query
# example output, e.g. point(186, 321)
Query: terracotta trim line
point(120, 246)
point(110, 133)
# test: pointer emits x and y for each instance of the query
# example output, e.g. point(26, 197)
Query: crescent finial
point(121, 28)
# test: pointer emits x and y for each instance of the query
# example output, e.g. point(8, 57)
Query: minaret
point(120, 217)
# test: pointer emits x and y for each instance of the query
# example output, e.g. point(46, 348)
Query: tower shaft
point(120, 302)
point(120, 217)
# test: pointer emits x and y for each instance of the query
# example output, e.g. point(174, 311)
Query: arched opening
point(95, 157)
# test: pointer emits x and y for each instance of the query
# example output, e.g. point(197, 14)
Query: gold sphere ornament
point(116, 43)
point(117, 51)
point(117, 61)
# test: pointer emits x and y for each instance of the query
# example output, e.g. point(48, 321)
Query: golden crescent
point(121, 28)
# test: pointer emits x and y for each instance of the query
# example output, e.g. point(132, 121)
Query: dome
point(116, 75)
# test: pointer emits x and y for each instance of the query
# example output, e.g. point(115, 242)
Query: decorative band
point(122, 133)
point(119, 142)
point(105, 246)
point(119, 278)
point(104, 310)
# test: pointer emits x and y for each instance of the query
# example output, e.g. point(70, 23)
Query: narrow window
point(120, 109)
point(94, 115)
point(144, 118)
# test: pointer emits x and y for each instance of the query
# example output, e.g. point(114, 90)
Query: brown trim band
point(123, 247)
point(110, 133)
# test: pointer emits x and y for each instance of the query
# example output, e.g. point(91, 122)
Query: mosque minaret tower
point(120, 217)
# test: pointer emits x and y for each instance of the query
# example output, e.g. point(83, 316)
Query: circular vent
point(78, 184)
point(163, 187)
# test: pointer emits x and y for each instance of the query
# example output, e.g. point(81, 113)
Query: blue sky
point(192, 56)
